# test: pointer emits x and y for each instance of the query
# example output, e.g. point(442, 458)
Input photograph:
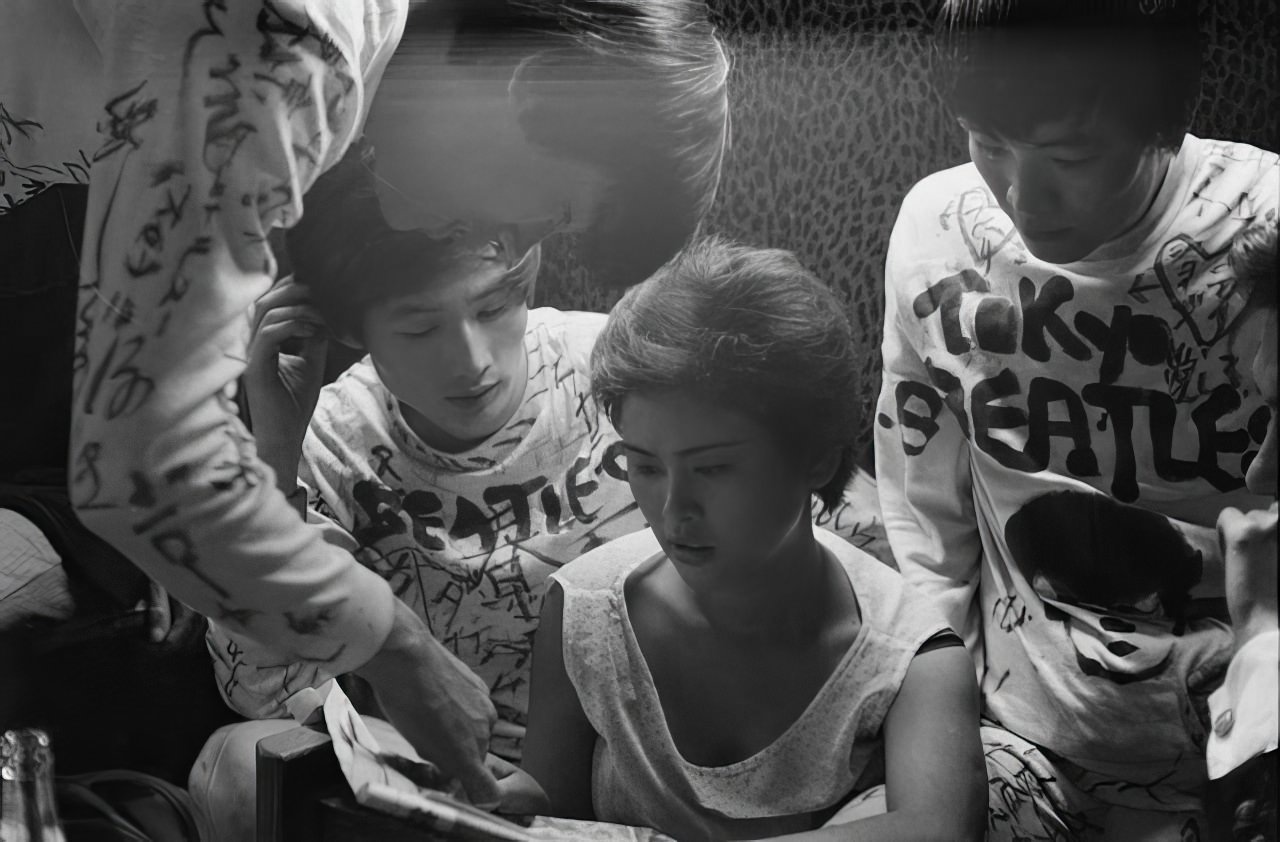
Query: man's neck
point(1163, 165)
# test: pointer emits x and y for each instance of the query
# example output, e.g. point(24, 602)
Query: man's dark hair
point(748, 329)
point(635, 89)
point(1010, 65)
point(657, 134)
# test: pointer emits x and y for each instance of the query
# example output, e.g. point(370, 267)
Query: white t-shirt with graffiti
point(1054, 444)
point(466, 539)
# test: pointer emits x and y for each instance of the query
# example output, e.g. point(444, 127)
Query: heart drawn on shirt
point(1200, 295)
point(983, 225)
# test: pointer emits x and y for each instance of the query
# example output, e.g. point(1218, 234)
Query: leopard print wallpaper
point(833, 120)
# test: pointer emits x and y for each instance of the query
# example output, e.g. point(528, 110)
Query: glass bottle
point(27, 809)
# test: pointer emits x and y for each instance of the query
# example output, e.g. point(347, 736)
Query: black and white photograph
point(639, 420)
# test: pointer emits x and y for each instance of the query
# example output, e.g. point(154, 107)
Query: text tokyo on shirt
point(1054, 444)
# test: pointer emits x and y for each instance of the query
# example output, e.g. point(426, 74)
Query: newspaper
point(371, 770)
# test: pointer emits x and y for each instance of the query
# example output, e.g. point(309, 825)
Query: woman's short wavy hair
point(749, 329)
point(1010, 65)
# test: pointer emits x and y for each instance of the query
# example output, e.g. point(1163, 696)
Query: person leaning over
point(199, 128)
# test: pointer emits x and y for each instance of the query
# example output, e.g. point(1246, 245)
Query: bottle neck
point(28, 812)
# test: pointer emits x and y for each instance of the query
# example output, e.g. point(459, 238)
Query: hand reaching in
point(439, 705)
point(169, 621)
point(520, 793)
point(1249, 552)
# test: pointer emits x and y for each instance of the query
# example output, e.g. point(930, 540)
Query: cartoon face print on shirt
point(1128, 567)
point(1104, 554)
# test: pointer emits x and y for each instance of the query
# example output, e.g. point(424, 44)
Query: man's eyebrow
point(1073, 141)
point(506, 281)
point(411, 308)
point(1075, 138)
point(688, 451)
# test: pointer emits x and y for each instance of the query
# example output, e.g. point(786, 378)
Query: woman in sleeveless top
point(730, 672)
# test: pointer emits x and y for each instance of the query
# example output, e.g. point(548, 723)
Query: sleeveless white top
point(639, 777)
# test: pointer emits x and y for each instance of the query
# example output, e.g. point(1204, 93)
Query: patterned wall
point(833, 121)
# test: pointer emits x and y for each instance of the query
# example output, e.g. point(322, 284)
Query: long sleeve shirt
point(1054, 444)
point(1244, 710)
point(198, 127)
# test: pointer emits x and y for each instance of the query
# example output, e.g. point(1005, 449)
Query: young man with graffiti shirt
point(1061, 418)
point(463, 459)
